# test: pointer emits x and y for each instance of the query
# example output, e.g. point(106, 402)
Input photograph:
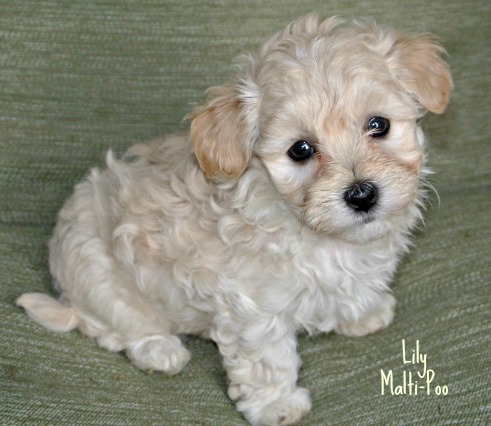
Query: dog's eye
point(378, 127)
point(301, 150)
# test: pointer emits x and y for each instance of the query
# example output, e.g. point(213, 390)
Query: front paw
point(375, 320)
point(286, 409)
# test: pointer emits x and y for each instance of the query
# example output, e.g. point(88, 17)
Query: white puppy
point(287, 208)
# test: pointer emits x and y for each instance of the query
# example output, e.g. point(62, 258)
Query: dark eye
point(300, 151)
point(378, 127)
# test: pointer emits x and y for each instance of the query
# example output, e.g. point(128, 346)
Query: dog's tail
point(49, 312)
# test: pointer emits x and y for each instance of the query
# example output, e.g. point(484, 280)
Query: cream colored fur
point(221, 234)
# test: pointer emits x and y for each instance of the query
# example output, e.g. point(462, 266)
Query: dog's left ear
point(222, 133)
point(416, 62)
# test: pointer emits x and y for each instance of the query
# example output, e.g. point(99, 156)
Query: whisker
point(428, 188)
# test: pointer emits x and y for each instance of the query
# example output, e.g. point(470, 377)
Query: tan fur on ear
point(416, 62)
point(218, 133)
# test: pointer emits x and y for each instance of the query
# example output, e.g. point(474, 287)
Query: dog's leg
point(107, 302)
point(117, 321)
point(142, 331)
point(262, 365)
point(137, 328)
point(379, 317)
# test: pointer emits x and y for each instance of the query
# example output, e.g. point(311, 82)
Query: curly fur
point(222, 235)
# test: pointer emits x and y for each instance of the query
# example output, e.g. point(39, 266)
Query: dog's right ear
point(223, 132)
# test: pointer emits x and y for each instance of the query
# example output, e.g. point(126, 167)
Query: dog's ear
point(416, 62)
point(222, 133)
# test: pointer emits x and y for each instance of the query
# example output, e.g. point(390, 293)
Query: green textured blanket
point(78, 77)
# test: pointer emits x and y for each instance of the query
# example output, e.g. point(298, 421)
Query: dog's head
point(331, 111)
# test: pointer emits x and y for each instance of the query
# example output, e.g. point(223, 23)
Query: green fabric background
point(78, 77)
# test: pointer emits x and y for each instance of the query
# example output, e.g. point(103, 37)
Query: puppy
point(287, 208)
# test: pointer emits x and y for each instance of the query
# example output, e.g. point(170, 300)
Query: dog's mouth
point(365, 211)
point(369, 230)
point(357, 228)
point(368, 218)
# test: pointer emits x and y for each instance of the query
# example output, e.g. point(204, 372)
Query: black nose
point(361, 196)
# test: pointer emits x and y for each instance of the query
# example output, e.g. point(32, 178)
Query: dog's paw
point(159, 353)
point(376, 320)
point(285, 410)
